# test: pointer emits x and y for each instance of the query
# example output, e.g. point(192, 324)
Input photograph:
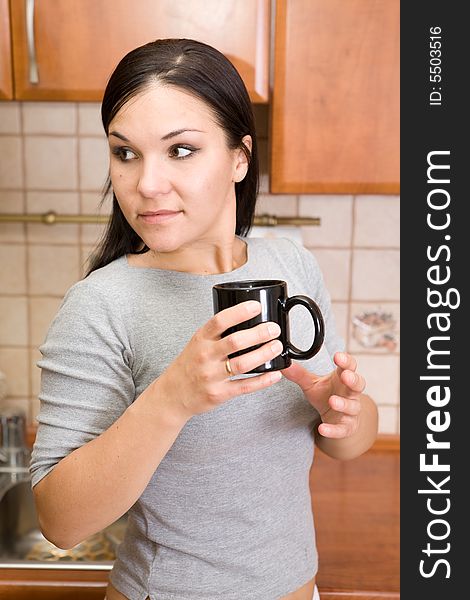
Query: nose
point(153, 179)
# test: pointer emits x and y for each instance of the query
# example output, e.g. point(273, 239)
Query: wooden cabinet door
point(335, 114)
point(6, 81)
point(77, 43)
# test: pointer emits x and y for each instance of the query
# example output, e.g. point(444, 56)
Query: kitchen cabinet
point(335, 102)
point(356, 506)
point(6, 85)
point(75, 44)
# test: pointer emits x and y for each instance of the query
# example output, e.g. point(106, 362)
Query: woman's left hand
point(336, 396)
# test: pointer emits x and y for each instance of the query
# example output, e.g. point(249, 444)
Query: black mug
point(275, 306)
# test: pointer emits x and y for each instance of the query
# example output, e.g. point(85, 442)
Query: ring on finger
point(228, 368)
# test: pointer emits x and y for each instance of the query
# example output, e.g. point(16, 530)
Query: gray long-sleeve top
point(227, 514)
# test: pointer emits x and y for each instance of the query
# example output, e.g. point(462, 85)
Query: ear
point(241, 162)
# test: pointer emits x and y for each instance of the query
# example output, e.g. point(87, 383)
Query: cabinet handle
point(33, 65)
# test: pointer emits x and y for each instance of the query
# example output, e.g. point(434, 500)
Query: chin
point(174, 239)
point(164, 243)
point(160, 247)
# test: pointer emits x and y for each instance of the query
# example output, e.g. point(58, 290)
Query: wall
point(54, 157)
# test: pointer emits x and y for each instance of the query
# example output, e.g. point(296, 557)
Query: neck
point(204, 258)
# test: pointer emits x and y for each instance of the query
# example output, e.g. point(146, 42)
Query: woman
point(140, 411)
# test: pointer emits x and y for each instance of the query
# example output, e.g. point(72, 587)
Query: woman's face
point(171, 170)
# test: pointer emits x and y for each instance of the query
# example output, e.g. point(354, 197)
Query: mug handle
point(318, 323)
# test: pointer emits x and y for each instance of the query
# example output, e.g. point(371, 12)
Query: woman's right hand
point(197, 380)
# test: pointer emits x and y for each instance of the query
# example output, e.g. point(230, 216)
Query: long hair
point(208, 75)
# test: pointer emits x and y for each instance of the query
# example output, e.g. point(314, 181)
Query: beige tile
point(284, 231)
point(53, 269)
point(93, 163)
point(50, 117)
point(12, 202)
point(359, 338)
point(334, 265)
point(14, 363)
point(3, 383)
point(264, 183)
point(335, 213)
point(388, 419)
point(90, 205)
point(10, 117)
point(35, 372)
point(11, 163)
point(59, 202)
point(66, 233)
point(89, 119)
point(12, 269)
point(12, 232)
point(86, 253)
point(279, 205)
point(376, 275)
point(377, 221)
point(34, 406)
point(42, 311)
point(51, 163)
point(91, 234)
point(382, 375)
point(21, 405)
point(13, 321)
point(340, 312)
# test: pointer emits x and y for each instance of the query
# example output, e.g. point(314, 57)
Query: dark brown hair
point(207, 74)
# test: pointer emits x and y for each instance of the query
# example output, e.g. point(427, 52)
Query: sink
point(22, 544)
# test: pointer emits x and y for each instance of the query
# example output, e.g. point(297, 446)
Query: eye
point(124, 154)
point(182, 152)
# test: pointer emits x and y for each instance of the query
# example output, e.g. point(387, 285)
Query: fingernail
point(253, 306)
point(274, 329)
point(339, 403)
point(276, 376)
point(276, 346)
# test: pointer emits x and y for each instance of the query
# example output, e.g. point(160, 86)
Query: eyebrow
point(163, 139)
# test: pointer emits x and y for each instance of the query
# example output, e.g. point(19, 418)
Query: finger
point(249, 361)
point(347, 406)
point(345, 428)
point(229, 317)
point(238, 387)
point(354, 381)
point(303, 378)
point(240, 340)
point(343, 360)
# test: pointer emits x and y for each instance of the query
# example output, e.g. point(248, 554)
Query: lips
point(158, 216)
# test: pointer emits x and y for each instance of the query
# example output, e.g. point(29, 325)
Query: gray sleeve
point(86, 377)
point(318, 291)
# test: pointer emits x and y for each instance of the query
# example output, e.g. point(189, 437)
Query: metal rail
point(51, 218)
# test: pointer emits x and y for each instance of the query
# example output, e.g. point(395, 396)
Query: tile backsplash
point(54, 157)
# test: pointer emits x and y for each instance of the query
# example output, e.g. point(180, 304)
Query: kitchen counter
point(356, 508)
